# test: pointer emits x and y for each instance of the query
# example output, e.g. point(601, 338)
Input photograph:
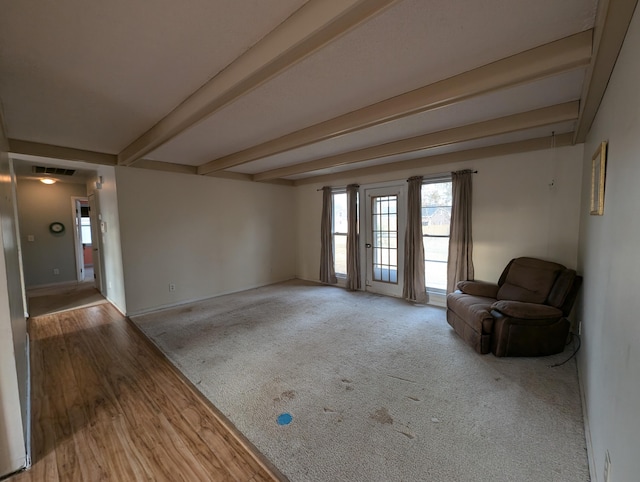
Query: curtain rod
point(354, 185)
point(435, 177)
point(439, 176)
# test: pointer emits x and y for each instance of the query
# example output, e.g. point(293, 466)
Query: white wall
point(515, 211)
point(207, 236)
point(112, 252)
point(609, 362)
point(13, 337)
point(38, 206)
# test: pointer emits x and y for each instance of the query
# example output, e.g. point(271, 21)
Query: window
point(85, 227)
point(385, 238)
point(339, 231)
point(436, 217)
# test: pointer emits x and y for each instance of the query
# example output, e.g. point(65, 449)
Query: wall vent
point(53, 170)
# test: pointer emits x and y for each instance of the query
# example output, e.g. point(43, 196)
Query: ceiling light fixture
point(47, 180)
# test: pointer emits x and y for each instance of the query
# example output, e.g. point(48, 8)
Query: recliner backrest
point(531, 280)
point(565, 291)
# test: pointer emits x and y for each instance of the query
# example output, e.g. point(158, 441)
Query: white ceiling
point(98, 75)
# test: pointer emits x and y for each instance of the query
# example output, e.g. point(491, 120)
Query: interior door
point(384, 241)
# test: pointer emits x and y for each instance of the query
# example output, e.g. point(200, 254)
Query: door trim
point(398, 188)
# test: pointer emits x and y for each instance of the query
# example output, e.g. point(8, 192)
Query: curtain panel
point(414, 284)
point(460, 263)
point(327, 269)
point(353, 239)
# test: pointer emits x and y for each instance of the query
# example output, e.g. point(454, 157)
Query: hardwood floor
point(107, 405)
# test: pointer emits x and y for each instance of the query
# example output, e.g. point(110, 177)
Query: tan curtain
point(327, 269)
point(414, 285)
point(353, 244)
point(460, 263)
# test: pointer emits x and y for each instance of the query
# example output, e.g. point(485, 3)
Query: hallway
point(106, 405)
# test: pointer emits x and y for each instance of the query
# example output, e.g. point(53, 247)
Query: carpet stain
point(414, 399)
point(288, 395)
point(284, 419)
point(328, 410)
point(408, 435)
point(382, 416)
point(403, 379)
point(347, 381)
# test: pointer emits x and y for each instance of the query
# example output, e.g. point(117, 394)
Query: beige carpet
point(54, 300)
point(378, 389)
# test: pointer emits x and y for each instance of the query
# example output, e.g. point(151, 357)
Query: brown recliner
point(524, 314)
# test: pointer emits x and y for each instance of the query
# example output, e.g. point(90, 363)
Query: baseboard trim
point(63, 284)
point(587, 428)
point(169, 306)
point(28, 424)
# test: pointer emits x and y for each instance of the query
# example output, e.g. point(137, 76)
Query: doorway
point(82, 239)
point(384, 215)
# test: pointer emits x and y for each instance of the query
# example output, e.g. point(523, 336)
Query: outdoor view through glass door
point(385, 239)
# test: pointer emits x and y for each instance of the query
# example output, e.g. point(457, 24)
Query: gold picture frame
point(598, 169)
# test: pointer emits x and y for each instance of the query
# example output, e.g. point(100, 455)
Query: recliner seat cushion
point(529, 280)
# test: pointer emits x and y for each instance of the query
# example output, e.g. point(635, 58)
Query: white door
point(384, 214)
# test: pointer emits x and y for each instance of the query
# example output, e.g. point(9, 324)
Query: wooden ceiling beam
point(612, 22)
point(356, 175)
point(549, 59)
point(29, 148)
point(503, 125)
point(311, 27)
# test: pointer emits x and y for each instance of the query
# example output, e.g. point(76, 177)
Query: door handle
point(368, 245)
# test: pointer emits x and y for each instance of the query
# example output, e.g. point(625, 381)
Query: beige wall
point(38, 206)
point(207, 236)
point(13, 336)
point(609, 361)
point(515, 210)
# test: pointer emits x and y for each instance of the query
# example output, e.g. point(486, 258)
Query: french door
point(384, 215)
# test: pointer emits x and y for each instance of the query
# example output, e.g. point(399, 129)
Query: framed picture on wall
point(598, 169)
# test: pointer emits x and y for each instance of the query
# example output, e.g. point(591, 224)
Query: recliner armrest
point(478, 288)
point(527, 311)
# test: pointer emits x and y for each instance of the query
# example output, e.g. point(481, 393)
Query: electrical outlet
point(172, 287)
point(56, 271)
point(607, 467)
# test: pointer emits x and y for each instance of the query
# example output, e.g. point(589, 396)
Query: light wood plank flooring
point(108, 406)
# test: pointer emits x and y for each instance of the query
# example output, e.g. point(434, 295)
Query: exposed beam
point(310, 28)
point(549, 59)
point(165, 166)
point(612, 23)
point(57, 152)
point(240, 176)
point(182, 169)
point(526, 120)
point(356, 175)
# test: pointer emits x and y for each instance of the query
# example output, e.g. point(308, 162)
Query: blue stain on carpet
point(284, 419)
